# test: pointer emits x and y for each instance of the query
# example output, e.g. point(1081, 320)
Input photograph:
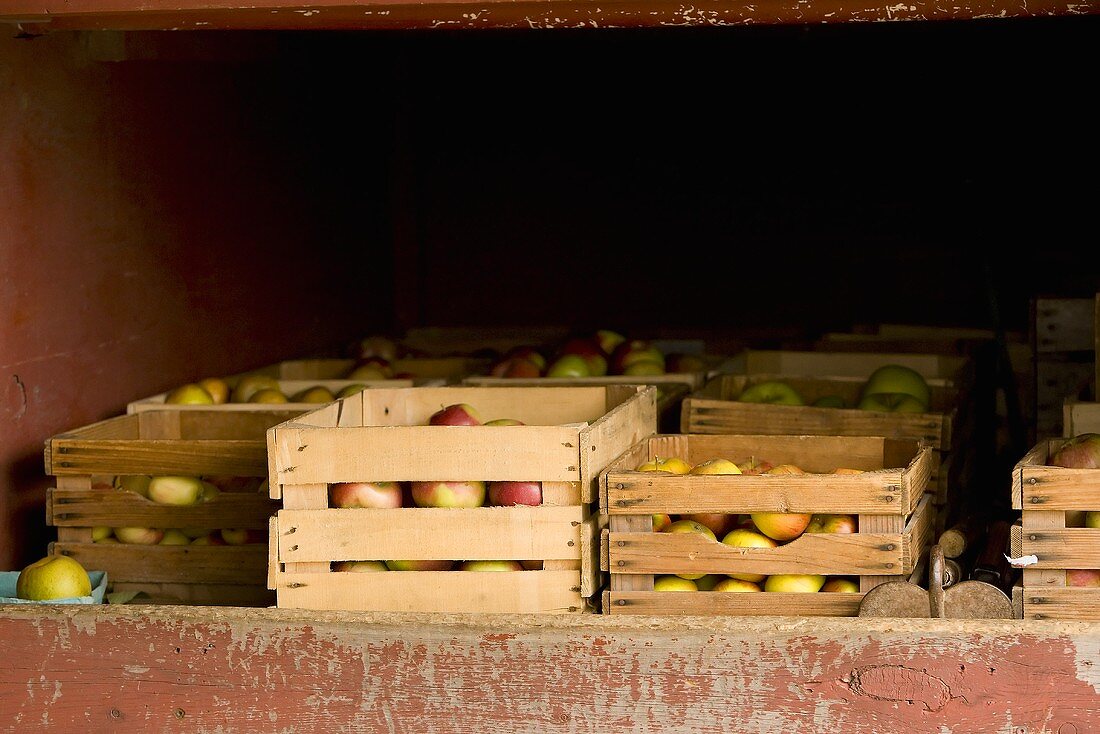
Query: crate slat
point(117, 508)
point(718, 603)
point(185, 564)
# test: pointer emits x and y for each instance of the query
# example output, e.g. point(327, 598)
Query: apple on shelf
point(53, 577)
point(456, 414)
point(1079, 452)
point(774, 392)
point(508, 493)
point(895, 388)
point(632, 352)
point(190, 393)
point(381, 495)
point(448, 494)
point(590, 350)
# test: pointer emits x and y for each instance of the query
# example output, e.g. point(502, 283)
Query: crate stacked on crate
point(882, 483)
point(297, 395)
point(1059, 505)
point(218, 552)
point(1064, 342)
point(564, 437)
point(946, 425)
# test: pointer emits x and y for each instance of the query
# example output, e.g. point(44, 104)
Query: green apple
point(892, 403)
point(771, 391)
point(174, 536)
point(674, 583)
point(829, 401)
point(190, 394)
point(569, 365)
point(897, 378)
point(249, 384)
point(176, 490)
point(53, 577)
point(644, 367)
point(351, 389)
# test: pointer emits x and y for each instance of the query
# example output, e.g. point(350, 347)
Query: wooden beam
point(207, 669)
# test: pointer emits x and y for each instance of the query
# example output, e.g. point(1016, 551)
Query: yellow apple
point(100, 532)
point(190, 394)
point(671, 464)
point(53, 577)
point(732, 584)
point(268, 395)
point(139, 536)
point(248, 384)
point(745, 538)
point(661, 521)
point(716, 466)
point(368, 372)
point(841, 584)
point(359, 566)
point(176, 490)
point(174, 536)
point(797, 582)
point(785, 469)
point(674, 583)
point(782, 526)
point(217, 387)
point(136, 483)
point(690, 526)
point(315, 394)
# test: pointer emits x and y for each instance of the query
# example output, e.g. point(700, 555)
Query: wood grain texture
point(184, 564)
point(205, 670)
point(90, 507)
point(1065, 603)
point(1037, 486)
point(1063, 548)
point(717, 603)
point(1079, 417)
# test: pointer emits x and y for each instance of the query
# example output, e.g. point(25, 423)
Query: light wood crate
point(84, 463)
point(288, 388)
point(940, 369)
point(425, 371)
point(890, 499)
point(1080, 417)
point(570, 435)
point(1052, 500)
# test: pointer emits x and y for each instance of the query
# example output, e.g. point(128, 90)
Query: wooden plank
point(139, 456)
point(591, 577)
point(919, 533)
point(1065, 324)
point(117, 508)
point(1061, 548)
point(845, 364)
point(813, 553)
point(431, 533)
point(885, 525)
point(692, 379)
point(628, 524)
point(624, 425)
point(301, 497)
point(1061, 603)
point(318, 671)
point(434, 591)
point(717, 603)
point(1080, 417)
point(1039, 579)
point(1039, 486)
point(190, 564)
point(535, 406)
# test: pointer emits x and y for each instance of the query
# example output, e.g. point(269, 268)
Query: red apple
point(528, 352)
point(515, 367)
point(1080, 452)
point(832, 523)
point(631, 351)
point(754, 466)
point(515, 493)
point(455, 414)
point(420, 565)
point(589, 348)
point(661, 521)
point(841, 584)
point(243, 536)
point(719, 523)
point(1083, 577)
point(781, 526)
point(490, 566)
point(448, 494)
point(365, 494)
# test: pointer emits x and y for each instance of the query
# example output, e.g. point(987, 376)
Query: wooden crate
point(1052, 500)
point(672, 388)
point(425, 371)
point(1063, 334)
point(570, 435)
point(85, 461)
point(1080, 417)
point(288, 387)
point(890, 499)
point(940, 369)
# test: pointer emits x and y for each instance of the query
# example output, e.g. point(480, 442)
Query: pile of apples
point(181, 491)
point(756, 530)
point(1080, 452)
point(452, 494)
point(253, 389)
point(892, 388)
point(604, 352)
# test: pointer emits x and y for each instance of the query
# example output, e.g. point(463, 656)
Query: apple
point(630, 351)
point(754, 466)
point(373, 364)
point(745, 538)
point(569, 365)
point(505, 422)
point(671, 464)
point(719, 523)
point(608, 340)
point(732, 584)
point(1083, 577)
point(796, 582)
point(773, 392)
point(99, 532)
point(832, 523)
point(1092, 519)
point(174, 536)
point(897, 378)
point(193, 533)
point(644, 367)
point(365, 494)
point(268, 395)
point(781, 526)
point(455, 414)
point(785, 469)
point(370, 371)
point(680, 363)
point(243, 536)
point(508, 493)
point(841, 584)
point(139, 536)
point(176, 490)
point(375, 345)
point(249, 384)
point(515, 367)
point(136, 483)
point(217, 387)
point(448, 494)
point(53, 577)
point(892, 403)
point(490, 566)
point(210, 491)
point(209, 539)
point(348, 390)
point(530, 353)
point(315, 394)
point(589, 348)
point(1080, 452)
point(708, 582)
point(419, 565)
point(191, 393)
point(691, 526)
point(661, 521)
point(674, 583)
point(359, 566)
point(717, 465)
point(829, 401)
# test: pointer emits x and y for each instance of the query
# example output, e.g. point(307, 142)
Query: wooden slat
point(434, 591)
point(810, 453)
point(561, 493)
point(845, 364)
point(815, 553)
point(628, 524)
point(691, 379)
point(623, 426)
point(138, 456)
point(885, 525)
point(1038, 486)
point(590, 570)
point(287, 387)
point(717, 603)
point(431, 533)
point(214, 424)
point(162, 424)
point(1042, 521)
point(204, 594)
point(1080, 417)
point(117, 508)
point(920, 531)
point(1081, 604)
point(1035, 457)
point(192, 564)
point(272, 550)
point(1062, 548)
point(535, 406)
